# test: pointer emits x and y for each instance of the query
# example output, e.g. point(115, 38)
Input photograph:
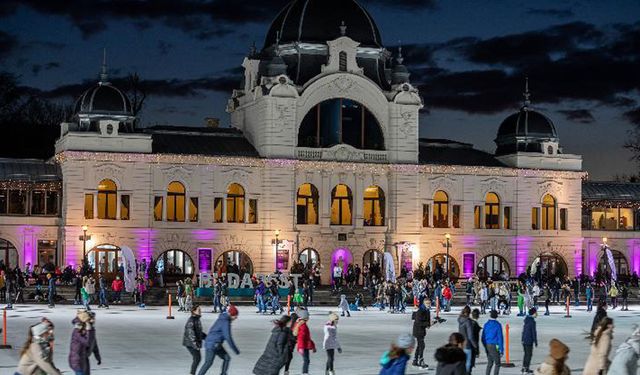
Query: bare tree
point(136, 92)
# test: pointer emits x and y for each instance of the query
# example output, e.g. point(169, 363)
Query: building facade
point(322, 162)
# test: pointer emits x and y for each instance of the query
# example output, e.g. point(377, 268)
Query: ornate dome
point(316, 21)
point(527, 123)
point(103, 99)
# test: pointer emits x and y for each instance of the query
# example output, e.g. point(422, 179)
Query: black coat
point(600, 314)
point(193, 334)
point(275, 354)
point(451, 360)
point(421, 321)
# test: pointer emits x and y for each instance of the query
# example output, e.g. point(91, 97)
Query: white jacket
point(626, 358)
point(330, 337)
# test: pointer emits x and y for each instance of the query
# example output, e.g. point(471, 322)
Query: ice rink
point(135, 341)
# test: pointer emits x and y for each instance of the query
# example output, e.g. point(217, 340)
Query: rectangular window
point(507, 218)
point(18, 202)
point(253, 211)
point(193, 209)
point(88, 206)
point(456, 216)
point(217, 210)
point(157, 208)
point(625, 219)
point(38, 202)
point(476, 217)
point(425, 215)
point(535, 218)
point(3, 201)
point(53, 203)
point(563, 219)
point(124, 207)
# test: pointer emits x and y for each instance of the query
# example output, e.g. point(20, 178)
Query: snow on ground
point(135, 341)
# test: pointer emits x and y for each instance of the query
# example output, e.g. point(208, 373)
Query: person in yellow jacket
point(613, 294)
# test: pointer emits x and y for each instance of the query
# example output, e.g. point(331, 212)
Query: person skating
point(80, 348)
point(180, 295)
point(219, 333)
point(304, 342)
point(475, 315)
point(588, 293)
point(613, 294)
point(465, 328)
point(51, 290)
point(275, 298)
point(624, 294)
point(529, 339)
point(554, 364)
point(141, 289)
point(601, 313)
point(344, 306)
point(330, 342)
point(598, 361)
point(492, 340)
point(625, 360)
point(36, 356)
point(260, 291)
point(520, 302)
point(117, 286)
point(102, 285)
point(394, 361)
point(547, 298)
point(451, 357)
point(193, 337)
point(275, 353)
point(421, 322)
point(293, 341)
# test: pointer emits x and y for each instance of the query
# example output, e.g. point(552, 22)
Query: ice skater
point(344, 306)
point(218, 334)
point(193, 337)
point(305, 344)
point(330, 343)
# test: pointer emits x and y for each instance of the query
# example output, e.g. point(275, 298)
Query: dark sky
point(469, 60)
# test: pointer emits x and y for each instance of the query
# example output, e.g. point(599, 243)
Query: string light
point(30, 185)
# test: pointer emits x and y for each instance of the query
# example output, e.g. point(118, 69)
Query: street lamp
point(447, 236)
point(84, 238)
point(604, 255)
point(277, 242)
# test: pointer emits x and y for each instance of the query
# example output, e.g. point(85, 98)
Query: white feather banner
point(390, 270)
point(129, 269)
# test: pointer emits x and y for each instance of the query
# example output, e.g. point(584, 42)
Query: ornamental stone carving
point(493, 185)
point(445, 184)
point(549, 187)
point(177, 173)
point(109, 171)
point(343, 84)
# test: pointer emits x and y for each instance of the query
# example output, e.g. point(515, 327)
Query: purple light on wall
point(342, 256)
point(144, 239)
point(204, 260)
point(634, 246)
point(468, 264)
point(204, 235)
point(577, 259)
point(594, 252)
point(523, 247)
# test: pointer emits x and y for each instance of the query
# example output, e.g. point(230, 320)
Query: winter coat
point(37, 358)
point(330, 337)
point(626, 358)
point(492, 334)
point(220, 332)
point(344, 304)
point(93, 348)
point(599, 356)
point(395, 366)
point(548, 368)
point(79, 349)
point(465, 327)
point(446, 293)
point(304, 337)
point(600, 314)
point(421, 321)
point(451, 360)
point(276, 352)
point(529, 332)
point(90, 287)
point(193, 334)
point(117, 285)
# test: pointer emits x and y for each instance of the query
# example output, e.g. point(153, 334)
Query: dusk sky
point(469, 60)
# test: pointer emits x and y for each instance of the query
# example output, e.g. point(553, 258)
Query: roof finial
point(526, 94)
point(400, 59)
point(104, 76)
point(252, 49)
point(343, 29)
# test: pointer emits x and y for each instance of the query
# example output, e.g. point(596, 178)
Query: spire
point(343, 29)
point(252, 49)
point(400, 59)
point(526, 94)
point(400, 72)
point(104, 76)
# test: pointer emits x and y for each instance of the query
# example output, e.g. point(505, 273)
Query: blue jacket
point(220, 332)
point(529, 332)
point(492, 334)
point(394, 366)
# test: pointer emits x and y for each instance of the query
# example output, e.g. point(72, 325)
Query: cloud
point(551, 12)
point(582, 116)
point(164, 47)
point(8, 43)
point(36, 68)
point(633, 116)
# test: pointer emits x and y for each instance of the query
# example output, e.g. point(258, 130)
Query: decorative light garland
point(610, 203)
point(30, 185)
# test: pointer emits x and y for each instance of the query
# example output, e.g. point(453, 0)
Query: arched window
point(440, 210)
point(341, 205)
point(337, 121)
point(307, 204)
point(308, 257)
point(619, 260)
point(175, 262)
point(373, 206)
point(104, 258)
point(234, 261)
point(372, 256)
point(107, 199)
point(493, 266)
point(548, 213)
point(176, 195)
point(548, 266)
point(492, 211)
point(235, 204)
point(9, 254)
point(437, 264)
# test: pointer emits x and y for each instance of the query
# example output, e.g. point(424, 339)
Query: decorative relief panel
point(110, 171)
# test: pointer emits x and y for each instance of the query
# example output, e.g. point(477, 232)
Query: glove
point(99, 362)
point(340, 350)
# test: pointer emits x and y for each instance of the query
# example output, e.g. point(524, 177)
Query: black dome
point(317, 21)
point(527, 123)
point(104, 98)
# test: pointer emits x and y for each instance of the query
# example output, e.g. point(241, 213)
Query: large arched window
point(619, 261)
point(235, 204)
point(492, 211)
point(341, 205)
point(438, 264)
point(308, 257)
point(374, 206)
point(307, 204)
point(175, 262)
point(234, 261)
point(176, 195)
point(548, 266)
point(104, 258)
point(9, 254)
point(107, 199)
point(548, 213)
point(440, 210)
point(493, 266)
point(337, 121)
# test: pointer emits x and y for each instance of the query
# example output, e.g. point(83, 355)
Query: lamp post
point(277, 242)
point(84, 238)
point(604, 255)
point(447, 237)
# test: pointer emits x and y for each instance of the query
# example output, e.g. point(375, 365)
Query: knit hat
point(404, 341)
point(557, 349)
point(333, 317)
point(303, 314)
point(83, 315)
point(232, 310)
point(39, 329)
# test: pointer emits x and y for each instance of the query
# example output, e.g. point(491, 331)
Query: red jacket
point(304, 337)
point(117, 285)
point(446, 293)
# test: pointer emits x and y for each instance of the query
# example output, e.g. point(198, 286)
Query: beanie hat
point(83, 315)
point(232, 310)
point(303, 314)
point(557, 349)
point(493, 314)
point(333, 317)
point(404, 341)
point(39, 329)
